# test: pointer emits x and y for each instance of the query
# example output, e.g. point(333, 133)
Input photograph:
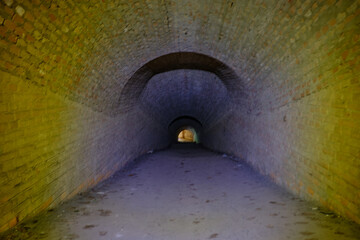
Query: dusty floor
point(188, 194)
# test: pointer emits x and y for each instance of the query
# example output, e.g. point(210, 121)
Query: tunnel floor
point(185, 193)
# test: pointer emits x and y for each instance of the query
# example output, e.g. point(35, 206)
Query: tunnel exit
point(187, 135)
point(185, 129)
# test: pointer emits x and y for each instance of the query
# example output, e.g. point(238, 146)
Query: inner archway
point(190, 124)
point(174, 61)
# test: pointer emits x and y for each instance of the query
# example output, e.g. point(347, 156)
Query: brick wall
point(294, 86)
point(299, 123)
point(52, 148)
point(58, 136)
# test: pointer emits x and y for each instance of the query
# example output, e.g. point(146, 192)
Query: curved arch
point(172, 61)
point(184, 122)
point(185, 117)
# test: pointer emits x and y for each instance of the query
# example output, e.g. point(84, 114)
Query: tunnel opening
point(185, 129)
point(187, 134)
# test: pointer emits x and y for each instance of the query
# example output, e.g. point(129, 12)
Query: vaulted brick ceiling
point(88, 85)
point(93, 49)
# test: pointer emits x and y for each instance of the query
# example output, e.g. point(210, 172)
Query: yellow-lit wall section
point(58, 137)
point(52, 148)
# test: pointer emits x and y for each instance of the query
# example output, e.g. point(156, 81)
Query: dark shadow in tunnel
point(179, 60)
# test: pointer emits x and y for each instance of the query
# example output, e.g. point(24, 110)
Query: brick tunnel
point(272, 86)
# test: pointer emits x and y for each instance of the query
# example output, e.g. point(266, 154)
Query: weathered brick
point(18, 19)
point(9, 24)
point(9, 11)
point(20, 32)
point(29, 38)
point(15, 50)
point(28, 27)
point(12, 38)
point(3, 31)
point(28, 16)
point(52, 17)
point(291, 78)
point(20, 10)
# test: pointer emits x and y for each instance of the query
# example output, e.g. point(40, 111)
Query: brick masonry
point(53, 148)
point(188, 89)
point(294, 111)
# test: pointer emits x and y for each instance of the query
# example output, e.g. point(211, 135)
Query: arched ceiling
point(196, 93)
point(180, 60)
point(88, 51)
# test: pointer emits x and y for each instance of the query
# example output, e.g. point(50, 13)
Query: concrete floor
point(186, 193)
